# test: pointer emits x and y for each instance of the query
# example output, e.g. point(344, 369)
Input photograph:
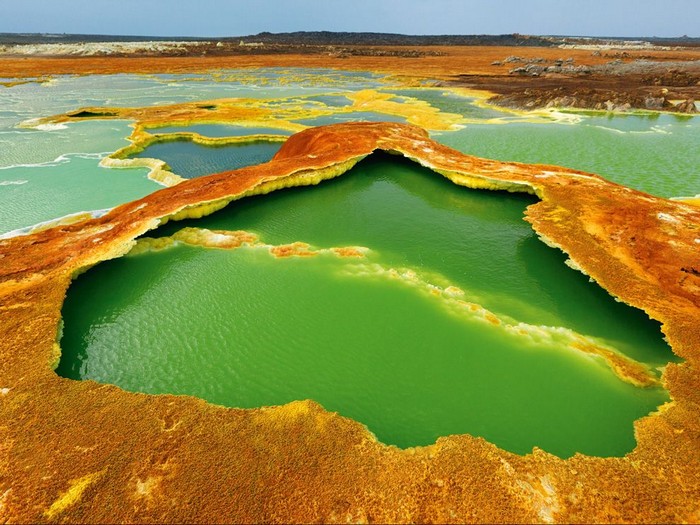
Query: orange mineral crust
point(78, 451)
point(438, 62)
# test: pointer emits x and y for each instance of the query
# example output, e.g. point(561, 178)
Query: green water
point(241, 328)
point(418, 219)
point(34, 147)
point(657, 154)
point(191, 160)
point(75, 183)
point(46, 174)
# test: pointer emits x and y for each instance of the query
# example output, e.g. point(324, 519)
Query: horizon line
point(261, 33)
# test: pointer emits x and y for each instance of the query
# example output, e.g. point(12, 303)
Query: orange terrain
point(654, 78)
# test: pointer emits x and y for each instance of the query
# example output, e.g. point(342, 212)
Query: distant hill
point(296, 38)
point(345, 39)
point(390, 39)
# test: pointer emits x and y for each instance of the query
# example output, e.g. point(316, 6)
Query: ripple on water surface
point(191, 160)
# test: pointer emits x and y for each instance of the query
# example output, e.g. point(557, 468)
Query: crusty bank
point(81, 451)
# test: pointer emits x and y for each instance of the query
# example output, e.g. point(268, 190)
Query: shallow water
point(449, 102)
point(331, 100)
point(48, 174)
point(191, 160)
point(657, 155)
point(244, 329)
point(66, 93)
point(74, 184)
point(21, 147)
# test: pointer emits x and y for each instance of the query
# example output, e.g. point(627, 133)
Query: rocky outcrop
point(617, 85)
point(597, 99)
point(687, 106)
point(540, 66)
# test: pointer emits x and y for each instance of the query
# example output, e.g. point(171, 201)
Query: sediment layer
point(81, 451)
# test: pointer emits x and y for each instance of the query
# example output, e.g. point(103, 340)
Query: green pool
point(377, 338)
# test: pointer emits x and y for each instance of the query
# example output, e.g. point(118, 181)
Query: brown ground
point(78, 451)
point(468, 66)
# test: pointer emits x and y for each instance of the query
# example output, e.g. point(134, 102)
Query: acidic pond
point(639, 151)
point(53, 171)
point(191, 160)
point(400, 339)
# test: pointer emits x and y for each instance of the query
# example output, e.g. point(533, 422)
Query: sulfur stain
point(416, 111)
point(296, 249)
point(73, 494)
point(145, 489)
point(231, 240)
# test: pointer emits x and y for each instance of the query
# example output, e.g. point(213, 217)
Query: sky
point(216, 18)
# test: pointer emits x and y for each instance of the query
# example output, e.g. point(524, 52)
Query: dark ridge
point(351, 38)
point(298, 37)
point(390, 39)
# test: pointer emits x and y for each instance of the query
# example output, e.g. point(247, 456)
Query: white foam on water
point(61, 159)
point(51, 127)
point(30, 123)
point(614, 130)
